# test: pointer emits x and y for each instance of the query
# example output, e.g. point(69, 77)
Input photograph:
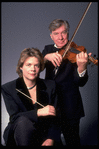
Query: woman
point(30, 123)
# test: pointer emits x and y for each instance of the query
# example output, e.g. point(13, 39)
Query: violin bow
point(67, 47)
point(30, 98)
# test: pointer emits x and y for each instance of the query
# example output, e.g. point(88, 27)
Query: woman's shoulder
point(9, 85)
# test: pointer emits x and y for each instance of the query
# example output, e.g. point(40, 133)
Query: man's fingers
point(57, 59)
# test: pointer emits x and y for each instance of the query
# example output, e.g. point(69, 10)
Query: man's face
point(60, 36)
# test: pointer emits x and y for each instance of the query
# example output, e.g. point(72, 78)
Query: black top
point(68, 82)
point(18, 105)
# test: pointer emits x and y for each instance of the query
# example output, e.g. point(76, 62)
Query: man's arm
point(55, 58)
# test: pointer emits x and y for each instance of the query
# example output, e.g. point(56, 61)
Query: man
point(68, 79)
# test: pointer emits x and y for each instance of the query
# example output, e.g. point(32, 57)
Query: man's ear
point(51, 36)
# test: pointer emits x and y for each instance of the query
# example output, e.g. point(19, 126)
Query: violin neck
point(93, 60)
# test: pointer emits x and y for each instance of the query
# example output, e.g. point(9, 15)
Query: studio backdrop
point(25, 24)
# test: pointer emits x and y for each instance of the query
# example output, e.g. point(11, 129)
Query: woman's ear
point(21, 69)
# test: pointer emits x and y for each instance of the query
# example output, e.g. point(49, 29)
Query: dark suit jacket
point(18, 105)
point(68, 82)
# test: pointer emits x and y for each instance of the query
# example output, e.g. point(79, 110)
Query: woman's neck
point(29, 83)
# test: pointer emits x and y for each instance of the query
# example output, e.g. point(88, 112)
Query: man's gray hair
point(58, 23)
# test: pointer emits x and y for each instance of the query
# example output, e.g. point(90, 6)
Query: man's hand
point(55, 58)
point(46, 111)
point(48, 142)
point(82, 61)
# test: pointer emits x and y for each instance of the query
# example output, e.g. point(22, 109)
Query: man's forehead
point(61, 28)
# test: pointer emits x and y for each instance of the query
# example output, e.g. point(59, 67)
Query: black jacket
point(68, 83)
point(18, 105)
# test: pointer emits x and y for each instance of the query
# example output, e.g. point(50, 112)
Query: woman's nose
point(33, 67)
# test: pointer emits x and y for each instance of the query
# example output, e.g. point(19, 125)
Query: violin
point(71, 49)
point(74, 49)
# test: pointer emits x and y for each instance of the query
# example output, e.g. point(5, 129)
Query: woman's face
point(31, 68)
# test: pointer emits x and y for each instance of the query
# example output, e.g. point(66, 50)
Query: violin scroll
point(95, 61)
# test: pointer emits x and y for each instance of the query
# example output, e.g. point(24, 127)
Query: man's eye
point(55, 33)
point(64, 32)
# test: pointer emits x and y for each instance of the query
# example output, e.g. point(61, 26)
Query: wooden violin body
point(74, 49)
point(71, 49)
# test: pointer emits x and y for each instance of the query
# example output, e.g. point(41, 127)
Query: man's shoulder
point(50, 45)
point(49, 49)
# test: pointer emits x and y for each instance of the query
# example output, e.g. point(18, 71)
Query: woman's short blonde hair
point(29, 52)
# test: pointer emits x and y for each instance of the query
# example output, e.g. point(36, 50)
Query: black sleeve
point(48, 49)
point(80, 81)
point(45, 51)
point(14, 110)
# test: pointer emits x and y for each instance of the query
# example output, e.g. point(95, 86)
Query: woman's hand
point(46, 111)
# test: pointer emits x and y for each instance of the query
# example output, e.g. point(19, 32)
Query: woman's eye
point(37, 65)
point(28, 65)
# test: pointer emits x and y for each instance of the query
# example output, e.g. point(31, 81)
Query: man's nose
point(60, 36)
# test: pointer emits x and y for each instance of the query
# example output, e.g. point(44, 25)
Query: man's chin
point(60, 46)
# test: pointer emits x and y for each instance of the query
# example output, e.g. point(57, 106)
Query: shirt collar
point(55, 45)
